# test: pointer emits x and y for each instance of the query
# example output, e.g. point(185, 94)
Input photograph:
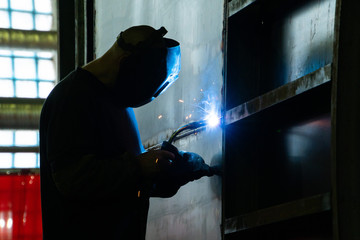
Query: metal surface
point(195, 211)
point(273, 158)
point(278, 95)
point(278, 125)
point(235, 6)
point(20, 39)
point(306, 206)
point(270, 45)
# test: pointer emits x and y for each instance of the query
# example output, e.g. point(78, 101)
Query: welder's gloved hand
point(192, 167)
point(185, 168)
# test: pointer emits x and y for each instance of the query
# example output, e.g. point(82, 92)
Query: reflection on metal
point(11, 38)
point(289, 210)
point(155, 141)
point(20, 113)
point(278, 95)
point(237, 5)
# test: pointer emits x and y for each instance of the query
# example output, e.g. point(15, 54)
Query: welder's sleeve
point(97, 177)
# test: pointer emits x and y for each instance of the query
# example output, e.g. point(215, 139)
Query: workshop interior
point(268, 94)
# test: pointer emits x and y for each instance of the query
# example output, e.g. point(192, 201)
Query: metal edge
point(236, 6)
point(306, 206)
point(279, 95)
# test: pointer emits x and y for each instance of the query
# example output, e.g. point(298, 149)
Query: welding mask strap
point(160, 33)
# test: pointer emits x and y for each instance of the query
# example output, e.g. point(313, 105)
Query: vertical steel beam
point(66, 42)
point(223, 111)
point(80, 29)
point(76, 25)
point(89, 30)
point(346, 122)
point(84, 32)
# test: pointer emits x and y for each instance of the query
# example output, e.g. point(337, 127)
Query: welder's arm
point(72, 147)
point(92, 175)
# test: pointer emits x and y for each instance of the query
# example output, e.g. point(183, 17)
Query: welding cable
point(190, 126)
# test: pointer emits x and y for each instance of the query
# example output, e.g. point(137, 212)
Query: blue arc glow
point(212, 120)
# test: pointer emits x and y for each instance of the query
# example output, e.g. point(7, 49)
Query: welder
point(96, 177)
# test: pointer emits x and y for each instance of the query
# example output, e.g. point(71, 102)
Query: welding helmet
point(153, 65)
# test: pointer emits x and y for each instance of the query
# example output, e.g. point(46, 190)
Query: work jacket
point(89, 175)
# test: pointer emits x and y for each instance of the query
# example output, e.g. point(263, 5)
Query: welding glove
point(186, 167)
point(192, 167)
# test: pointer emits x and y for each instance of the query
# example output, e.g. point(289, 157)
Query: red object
point(20, 207)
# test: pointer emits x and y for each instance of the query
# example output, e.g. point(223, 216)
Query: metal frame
point(343, 74)
point(282, 212)
point(287, 91)
point(346, 122)
point(76, 48)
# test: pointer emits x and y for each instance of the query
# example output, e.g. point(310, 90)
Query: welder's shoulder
point(68, 98)
point(71, 89)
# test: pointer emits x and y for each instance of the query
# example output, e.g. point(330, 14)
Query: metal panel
point(278, 131)
point(237, 5)
point(195, 211)
point(306, 206)
point(278, 95)
point(270, 45)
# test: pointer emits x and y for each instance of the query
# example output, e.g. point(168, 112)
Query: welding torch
point(186, 166)
point(179, 156)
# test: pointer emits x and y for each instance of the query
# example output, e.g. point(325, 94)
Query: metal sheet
point(237, 5)
point(285, 158)
point(195, 211)
point(270, 45)
point(311, 205)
